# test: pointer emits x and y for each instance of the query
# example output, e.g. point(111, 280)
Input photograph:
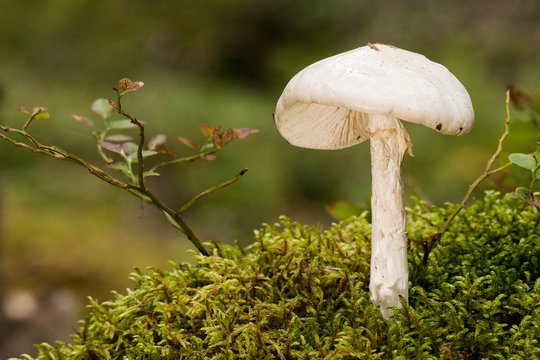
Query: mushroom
point(365, 93)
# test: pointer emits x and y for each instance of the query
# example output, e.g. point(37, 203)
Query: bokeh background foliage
point(64, 235)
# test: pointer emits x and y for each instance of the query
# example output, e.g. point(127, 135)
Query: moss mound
point(301, 293)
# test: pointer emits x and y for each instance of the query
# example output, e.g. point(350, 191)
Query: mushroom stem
point(389, 272)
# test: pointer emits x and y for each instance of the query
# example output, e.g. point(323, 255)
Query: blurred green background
point(65, 235)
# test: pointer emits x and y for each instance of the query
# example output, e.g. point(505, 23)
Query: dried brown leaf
point(126, 84)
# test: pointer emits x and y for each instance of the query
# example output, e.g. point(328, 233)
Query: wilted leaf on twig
point(221, 139)
point(24, 110)
point(126, 84)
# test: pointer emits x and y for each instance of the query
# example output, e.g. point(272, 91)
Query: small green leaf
point(121, 124)
point(537, 155)
point(118, 138)
point(145, 154)
point(130, 148)
point(523, 160)
point(150, 173)
point(40, 113)
point(102, 107)
point(118, 166)
point(522, 193)
point(537, 174)
point(342, 210)
point(42, 116)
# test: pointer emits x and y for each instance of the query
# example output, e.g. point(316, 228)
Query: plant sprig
point(528, 161)
point(129, 153)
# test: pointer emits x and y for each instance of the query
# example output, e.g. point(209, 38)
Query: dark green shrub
point(302, 293)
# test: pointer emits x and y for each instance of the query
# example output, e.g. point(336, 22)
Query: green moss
point(301, 293)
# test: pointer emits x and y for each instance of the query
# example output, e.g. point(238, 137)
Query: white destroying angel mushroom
point(365, 93)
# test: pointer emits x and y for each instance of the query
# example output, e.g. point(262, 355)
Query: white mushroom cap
point(324, 106)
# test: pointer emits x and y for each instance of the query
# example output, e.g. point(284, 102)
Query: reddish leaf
point(85, 121)
point(162, 149)
point(188, 143)
point(209, 157)
point(534, 203)
point(244, 132)
point(117, 148)
point(448, 353)
point(24, 110)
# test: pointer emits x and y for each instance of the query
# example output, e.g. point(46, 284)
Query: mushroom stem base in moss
point(389, 272)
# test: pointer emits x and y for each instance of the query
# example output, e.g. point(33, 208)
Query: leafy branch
point(128, 158)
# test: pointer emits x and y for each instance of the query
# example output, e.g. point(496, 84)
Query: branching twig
point(138, 191)
point(136, 185)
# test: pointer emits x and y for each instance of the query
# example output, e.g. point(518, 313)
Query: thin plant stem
point(211, 190)
point(428, 246)
point(140, 125)
point(186, 159)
